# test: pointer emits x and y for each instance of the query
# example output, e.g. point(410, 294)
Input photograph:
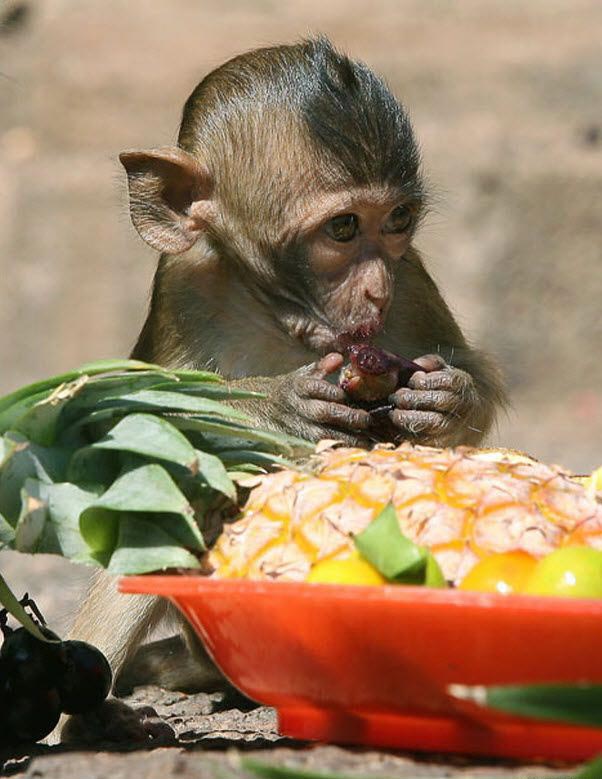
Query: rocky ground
point(505, 97)
point(214, 742)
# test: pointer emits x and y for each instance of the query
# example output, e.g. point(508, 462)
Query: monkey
point(285, 219)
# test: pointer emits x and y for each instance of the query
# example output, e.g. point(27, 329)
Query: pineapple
point(462, 504)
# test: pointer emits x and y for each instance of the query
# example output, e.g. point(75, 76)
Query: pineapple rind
point(461, 503)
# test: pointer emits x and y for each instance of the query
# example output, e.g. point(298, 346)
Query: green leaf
point(40, 422)
point(197, 376)
point(213, 471)
point(146, 489)
point(246, 457)
point(25, 397)
point(91, 467)
point(99, 529)
point(89, 426)
point(396, 557)
point(112, 366)
point(152, 437)
point(15, 404)
point(433, 575)
point(7, 534)
point(144, 546)
point(12, 605)
point(27, 460)
point(49, 519)
point(163, 401)
point(272, 771)
point(383, 544)
point(102, 387)
point(592, 770)
point(579, 704)
point(10, 417)
point(241, 436)
point(40, 388)
point(208, 390)
point(32, 519)
point(65, 504)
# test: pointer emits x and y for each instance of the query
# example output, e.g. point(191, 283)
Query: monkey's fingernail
point(330, 362)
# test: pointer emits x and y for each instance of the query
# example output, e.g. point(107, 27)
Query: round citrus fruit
point(505, 572)
point(573, 570)
point(353, 570)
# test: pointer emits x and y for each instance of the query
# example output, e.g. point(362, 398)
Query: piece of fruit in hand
point(372, 374)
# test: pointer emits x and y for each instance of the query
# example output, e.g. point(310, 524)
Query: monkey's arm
point(455, 400)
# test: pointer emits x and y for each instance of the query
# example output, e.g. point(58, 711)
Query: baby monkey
point(285, 218)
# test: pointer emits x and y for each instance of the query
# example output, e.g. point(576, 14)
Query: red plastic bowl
point(371, 665)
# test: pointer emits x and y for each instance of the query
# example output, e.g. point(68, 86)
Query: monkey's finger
point(426, 400)
point(337, 415)
point(426, 424)
point(314, 388)
point(431, 362)
point(450, 379)
point(328, 364)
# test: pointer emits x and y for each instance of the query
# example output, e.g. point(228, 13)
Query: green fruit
point(574, 571)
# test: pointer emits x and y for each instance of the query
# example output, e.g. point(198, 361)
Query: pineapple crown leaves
point(117, 462)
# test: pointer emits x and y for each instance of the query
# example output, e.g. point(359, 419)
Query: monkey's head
point(297, 168)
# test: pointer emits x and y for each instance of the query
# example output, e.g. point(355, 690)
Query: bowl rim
point(178, 585)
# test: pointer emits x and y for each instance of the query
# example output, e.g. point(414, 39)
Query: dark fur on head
point(352, 114)
point(348, 128)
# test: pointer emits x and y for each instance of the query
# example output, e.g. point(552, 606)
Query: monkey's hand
point(440, 406)
point(309, 405)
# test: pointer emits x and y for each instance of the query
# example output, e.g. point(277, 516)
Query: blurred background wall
point(506, 98)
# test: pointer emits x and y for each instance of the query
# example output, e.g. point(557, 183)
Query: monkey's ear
point(169, 197)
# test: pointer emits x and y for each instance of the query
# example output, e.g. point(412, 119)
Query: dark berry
point(30, 663)
point(29, 715)
point(86, 679)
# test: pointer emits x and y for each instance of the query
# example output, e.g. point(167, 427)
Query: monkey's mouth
point(362, 334)
point(323, 338)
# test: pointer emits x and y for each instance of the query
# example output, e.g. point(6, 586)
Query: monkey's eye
point(342, 228)
point(400, 220)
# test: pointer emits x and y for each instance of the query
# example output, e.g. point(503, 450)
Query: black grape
point(29, 715)
point(30, 663)
point(86, 679)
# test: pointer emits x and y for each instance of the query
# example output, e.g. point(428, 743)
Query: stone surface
point(222, 743)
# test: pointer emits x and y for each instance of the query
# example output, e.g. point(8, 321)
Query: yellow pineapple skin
point(463, 504)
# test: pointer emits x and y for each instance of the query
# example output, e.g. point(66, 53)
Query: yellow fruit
point(463, 504)
point(504, 573)
point(353, 570)
point(574, 571)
